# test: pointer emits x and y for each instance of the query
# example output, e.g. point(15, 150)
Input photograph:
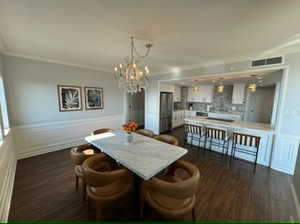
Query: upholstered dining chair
point(173, 197)
point(145, 132)
point(106, 181)
point(78, 155)
point(167, 139)
point(101, 131)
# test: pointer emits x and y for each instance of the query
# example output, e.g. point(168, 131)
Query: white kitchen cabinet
point(238, 93)
point(177, 94)
point(203, 95)
point(189, 113)
point(178, 118)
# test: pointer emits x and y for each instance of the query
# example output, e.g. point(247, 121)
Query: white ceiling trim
point(25, 56)
point(206, 64)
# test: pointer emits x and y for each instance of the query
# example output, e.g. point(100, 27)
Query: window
point(4, 122)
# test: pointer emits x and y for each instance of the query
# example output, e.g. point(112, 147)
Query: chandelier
point(132, 72)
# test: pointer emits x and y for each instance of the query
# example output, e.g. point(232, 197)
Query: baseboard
point(35, 151)
point(296, 201)
point(7, 190)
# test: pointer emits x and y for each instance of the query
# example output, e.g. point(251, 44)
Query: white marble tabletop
point(145, 156)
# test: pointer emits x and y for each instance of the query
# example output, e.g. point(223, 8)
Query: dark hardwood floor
point(44, 191)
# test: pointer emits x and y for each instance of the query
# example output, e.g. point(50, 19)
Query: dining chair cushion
point(101, 131)
point(173, 197)
point(105, 178)
point(167, 139)
point(145, 132)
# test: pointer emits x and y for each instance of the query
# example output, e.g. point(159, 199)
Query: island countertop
point(235, 124)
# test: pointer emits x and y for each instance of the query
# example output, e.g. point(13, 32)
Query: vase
point(129, 137)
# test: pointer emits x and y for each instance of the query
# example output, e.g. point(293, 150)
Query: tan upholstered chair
point(78, 155)
point(173, 197)
point(106, 182)
point(101, 131)
point(167, 139)
point(145, 132)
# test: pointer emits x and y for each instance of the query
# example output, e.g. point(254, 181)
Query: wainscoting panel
point(37, 139)
point(7, 175)
point(285, 150)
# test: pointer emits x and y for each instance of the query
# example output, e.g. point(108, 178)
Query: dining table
point(145, 156)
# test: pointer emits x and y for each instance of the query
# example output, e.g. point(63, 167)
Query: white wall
point(32, 91)
point(287, 135)
point(32, 98)
point(7, 170)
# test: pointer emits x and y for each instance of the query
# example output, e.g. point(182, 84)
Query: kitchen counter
point(235, 124)
point(265, 131)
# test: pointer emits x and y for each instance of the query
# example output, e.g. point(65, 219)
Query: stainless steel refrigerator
point(166, 109)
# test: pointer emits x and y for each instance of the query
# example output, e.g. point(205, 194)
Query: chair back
point(77, 153)
point(181, 189)
point(193, 129)
point(101, 131)
point(167, 139)
point(215, 133)
point(100, 170)
point(246, 140)
point(145, 132)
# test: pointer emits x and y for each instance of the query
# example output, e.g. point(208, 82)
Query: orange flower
point(130, 126)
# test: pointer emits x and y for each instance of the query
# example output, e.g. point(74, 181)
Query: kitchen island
point(265, 131)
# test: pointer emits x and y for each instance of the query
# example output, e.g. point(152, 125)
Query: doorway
point(136, 108)
point(259, 104)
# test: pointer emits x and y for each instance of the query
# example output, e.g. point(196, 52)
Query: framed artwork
point(93, 98)
point(69, 98)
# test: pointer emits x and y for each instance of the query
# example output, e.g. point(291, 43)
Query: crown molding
point(26, 56)
point(205, 65)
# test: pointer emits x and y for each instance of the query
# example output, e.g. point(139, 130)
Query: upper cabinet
point(238, 93)
point(203, 95)
point(177, 94)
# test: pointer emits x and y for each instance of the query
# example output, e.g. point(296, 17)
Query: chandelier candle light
point(132, 73)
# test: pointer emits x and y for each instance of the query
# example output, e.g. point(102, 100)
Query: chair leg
point(76, 182)
point(88, 203)
point(142, 204)
point(98, 213)
point(194, 214)
point(83, 189)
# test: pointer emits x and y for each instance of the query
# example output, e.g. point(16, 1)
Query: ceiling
point(186, 34)
point(270, 77)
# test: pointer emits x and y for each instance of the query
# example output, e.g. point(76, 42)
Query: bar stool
point(196, 133)
point(250, 141)
point(217, 137)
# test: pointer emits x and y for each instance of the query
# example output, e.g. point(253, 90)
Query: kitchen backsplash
point(222, 102)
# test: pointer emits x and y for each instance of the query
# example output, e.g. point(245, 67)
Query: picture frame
point(69, 98)
point(93, 98)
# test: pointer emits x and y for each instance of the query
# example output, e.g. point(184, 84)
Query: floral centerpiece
point(129, 127)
